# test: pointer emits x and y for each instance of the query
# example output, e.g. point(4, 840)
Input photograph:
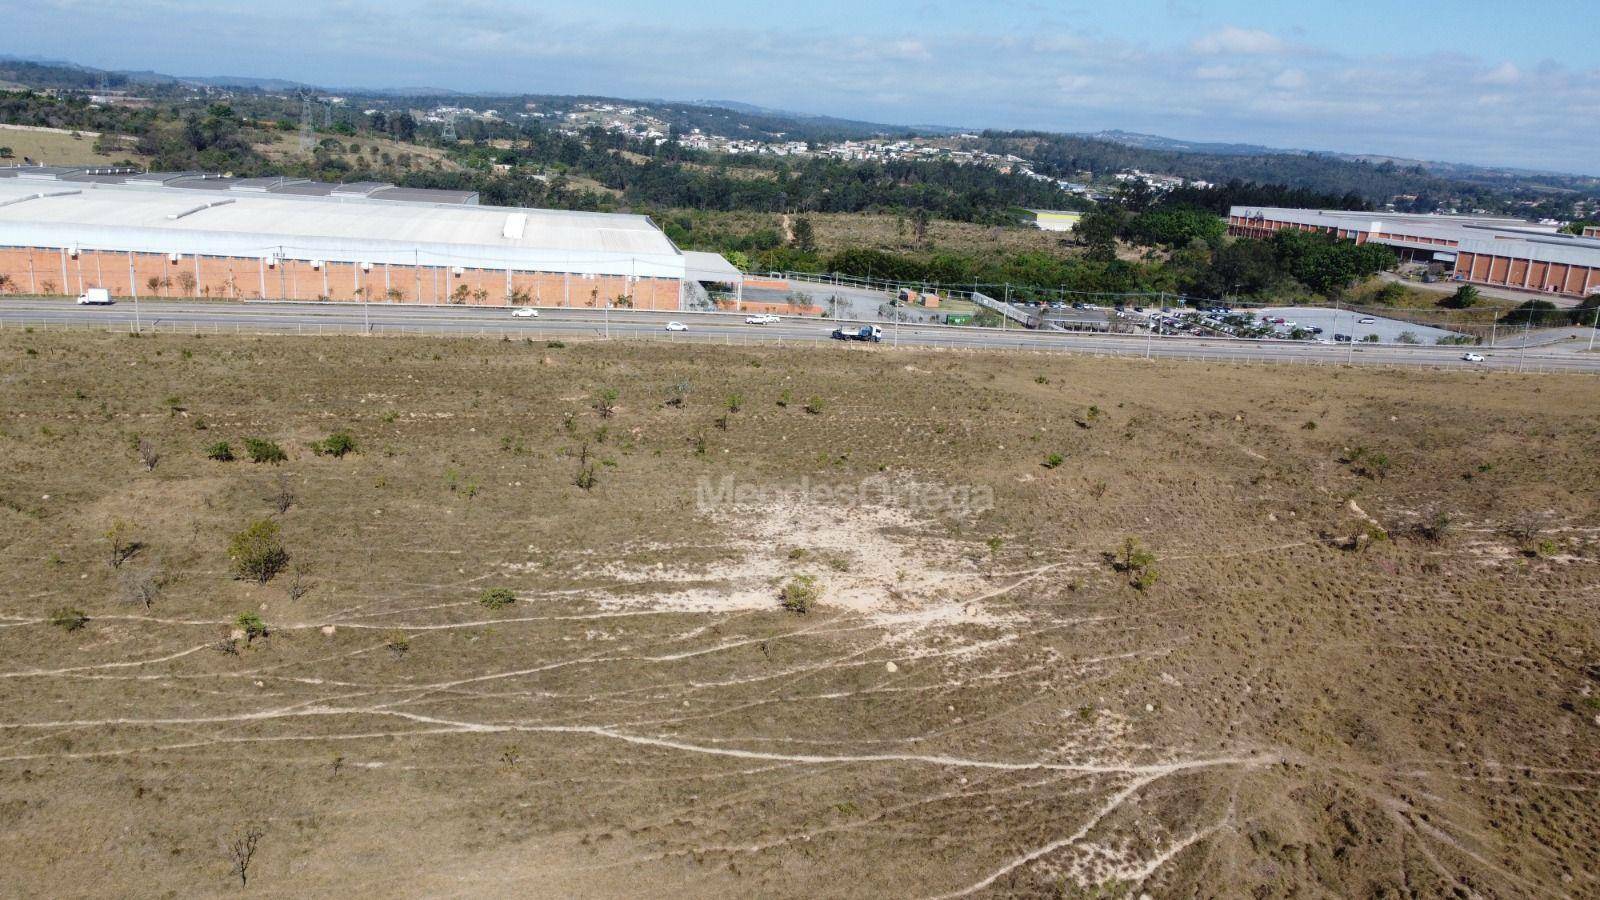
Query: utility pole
point(308, 137)
point(1527, 328)
point(1596, 326)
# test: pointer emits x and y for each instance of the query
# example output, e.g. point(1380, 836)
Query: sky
point(1491, 83)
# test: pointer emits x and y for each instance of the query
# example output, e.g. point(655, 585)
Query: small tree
point(1138, 563)
point(1465, 297)
point(143, 588)
point(242, 850)
point(186, 283)
point(123, 546)
point(257, 551)
point(605, 402)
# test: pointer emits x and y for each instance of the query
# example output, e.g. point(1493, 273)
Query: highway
point(163, 316)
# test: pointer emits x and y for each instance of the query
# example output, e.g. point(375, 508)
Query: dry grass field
point(843, 231)
point(61, 149)
point(1355, 650)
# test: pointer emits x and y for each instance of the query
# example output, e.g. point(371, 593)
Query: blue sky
point(1471, 81)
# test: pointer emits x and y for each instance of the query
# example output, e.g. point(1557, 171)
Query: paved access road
point(729, 328)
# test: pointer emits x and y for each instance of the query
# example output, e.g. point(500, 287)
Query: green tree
point(257, 552)
point(1465, 297)
point(805, 238)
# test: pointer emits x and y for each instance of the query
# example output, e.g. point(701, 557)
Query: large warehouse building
point(1489, 251)
point(63, 230)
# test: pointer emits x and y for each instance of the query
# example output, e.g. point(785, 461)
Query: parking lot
point(1357, 325)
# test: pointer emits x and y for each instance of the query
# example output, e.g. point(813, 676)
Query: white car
point(677, 326)
point(1472, 357)
point(767, 319)
point(526, 312)
point(1366, 321)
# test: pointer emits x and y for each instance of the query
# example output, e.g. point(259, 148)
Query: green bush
point(68, 619)
point(497, 598)
point(262, 450)
point(251, 625)
point(815, 406)
point(257, 551)
point(335, 445)
point(221, 451)
point(1053, 461)
point(800, 594)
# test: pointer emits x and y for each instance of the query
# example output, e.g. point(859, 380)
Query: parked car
point(677, 326)
point(95, 297)
point(1367, 321)
point(1342, 338)
point(525, 312)
point(1472, 357)
point(762, 319)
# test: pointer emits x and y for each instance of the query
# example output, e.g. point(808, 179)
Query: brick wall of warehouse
point(50, 270)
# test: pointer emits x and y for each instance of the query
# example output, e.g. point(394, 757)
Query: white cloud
point(1505, 73)
point(1234, 41)
point(1290, 80)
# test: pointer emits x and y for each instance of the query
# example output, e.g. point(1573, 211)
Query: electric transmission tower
point(308, 136)
point(327, 114)
point(449, 133)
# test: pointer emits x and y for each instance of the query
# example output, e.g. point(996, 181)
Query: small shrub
point(497, 598)
point(586, 478)
point(1054, 460)
point(605, 402)
point(123, 546)
point(678, 393)
point(397, 644)
point(785, 398)
point(264, 451)
point(799, 595)
point(1367, 463)
point(221, 451)
point(257, 551)
point(148, 454)
point(335, 445)
point(815, 406)
point(68, 619)
point(280, 496)
point(995, 543)
point(555, 345)
point(735, 403)
point(251, 625)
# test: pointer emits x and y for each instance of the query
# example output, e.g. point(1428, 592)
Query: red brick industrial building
point(1497, 252)
point(65, 230)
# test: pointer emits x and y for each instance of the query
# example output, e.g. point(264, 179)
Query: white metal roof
point(710, 267)
point(336, 228)
point(1474, 234)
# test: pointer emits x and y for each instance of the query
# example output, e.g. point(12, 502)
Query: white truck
point(95, 297)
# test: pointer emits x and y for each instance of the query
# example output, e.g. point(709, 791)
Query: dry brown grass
point(60, 149)
point(973, 701)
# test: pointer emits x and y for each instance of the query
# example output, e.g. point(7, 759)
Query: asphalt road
point(728, 328)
